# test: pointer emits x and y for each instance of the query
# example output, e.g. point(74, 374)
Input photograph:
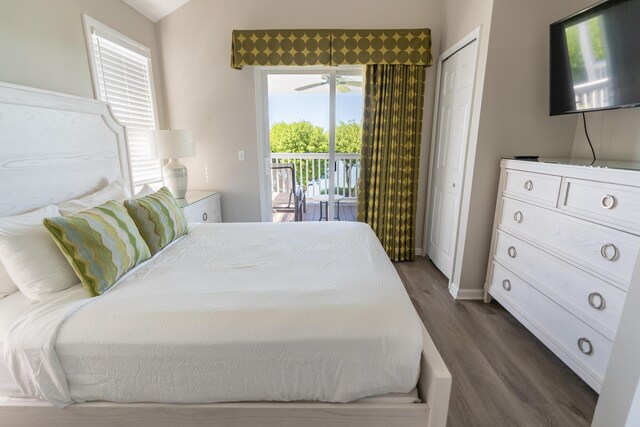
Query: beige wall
point(42, 42)
point(218, 103)
point(460, 17)
point(514, 118)
point(615, 135)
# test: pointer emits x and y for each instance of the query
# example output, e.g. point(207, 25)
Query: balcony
point(312, 175)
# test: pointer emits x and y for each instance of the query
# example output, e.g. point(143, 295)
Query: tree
point(305, 137)
point(348, 137)
point(298, 137)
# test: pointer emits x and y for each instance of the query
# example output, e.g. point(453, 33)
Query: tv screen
point(595, 59)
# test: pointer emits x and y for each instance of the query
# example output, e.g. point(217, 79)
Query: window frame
point(92, 25)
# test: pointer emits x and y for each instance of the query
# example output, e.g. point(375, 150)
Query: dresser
point(566, 238)
point(201, 206)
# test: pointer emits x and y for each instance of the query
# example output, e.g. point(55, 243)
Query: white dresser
point(565, 242)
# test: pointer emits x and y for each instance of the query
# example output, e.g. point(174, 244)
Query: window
point(122, 77)
point(310, 118)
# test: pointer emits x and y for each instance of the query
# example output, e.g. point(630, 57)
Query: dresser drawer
point(596, 302)
point(540, 188)
point(609, 252)
point(205, 210)
point(580, 344)
point(617, 205)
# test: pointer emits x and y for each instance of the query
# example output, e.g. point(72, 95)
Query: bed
point(219, 315)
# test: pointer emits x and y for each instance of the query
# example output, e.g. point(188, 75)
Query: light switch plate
point(242, 155)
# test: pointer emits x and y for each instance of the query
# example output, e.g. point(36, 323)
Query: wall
point(514, 119)
point(42, 43)
point(615, 135)
point(218, 103)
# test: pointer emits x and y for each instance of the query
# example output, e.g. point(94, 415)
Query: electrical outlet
point(242, 155)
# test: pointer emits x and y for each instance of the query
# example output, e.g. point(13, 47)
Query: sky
point(288, 104)
point(313, 107)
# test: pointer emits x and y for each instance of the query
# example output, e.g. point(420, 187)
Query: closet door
point(447, 167)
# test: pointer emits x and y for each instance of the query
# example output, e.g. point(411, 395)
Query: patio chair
point(285, 177)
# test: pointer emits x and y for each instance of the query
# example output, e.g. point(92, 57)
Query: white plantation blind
point(124, 81)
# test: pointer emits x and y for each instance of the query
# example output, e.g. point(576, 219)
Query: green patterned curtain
point(392, 126)
point(331, 47)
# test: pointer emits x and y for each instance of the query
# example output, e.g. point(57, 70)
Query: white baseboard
point(419, 252)
point(465, 294)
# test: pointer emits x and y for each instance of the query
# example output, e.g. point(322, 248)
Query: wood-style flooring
point(502, 374)
point(347, 213)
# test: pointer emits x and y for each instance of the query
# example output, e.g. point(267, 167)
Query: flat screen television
point(595, 59)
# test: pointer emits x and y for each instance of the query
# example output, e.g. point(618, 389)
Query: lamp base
point(176, 178)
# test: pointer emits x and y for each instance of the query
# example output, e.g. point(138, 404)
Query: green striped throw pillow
point(158, 217)
point(101, 244)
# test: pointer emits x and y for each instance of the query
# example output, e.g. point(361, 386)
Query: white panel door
point(452, 132)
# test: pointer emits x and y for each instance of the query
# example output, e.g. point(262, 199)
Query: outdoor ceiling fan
point(342, 84)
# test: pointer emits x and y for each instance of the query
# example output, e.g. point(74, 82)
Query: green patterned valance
point(280, 47)
point(331, 47)
point(390, 47)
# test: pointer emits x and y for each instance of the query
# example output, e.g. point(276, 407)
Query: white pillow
point(114, 191)
point(32, 259)
point(145, 191)
point(7, 287)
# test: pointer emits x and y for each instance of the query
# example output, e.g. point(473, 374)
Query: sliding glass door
point(309, 122)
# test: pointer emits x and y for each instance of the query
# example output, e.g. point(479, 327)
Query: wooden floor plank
point(502, 374)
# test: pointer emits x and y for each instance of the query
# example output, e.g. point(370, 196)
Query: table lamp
point(173, 144)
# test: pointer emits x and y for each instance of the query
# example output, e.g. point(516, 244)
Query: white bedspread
point(232, 312)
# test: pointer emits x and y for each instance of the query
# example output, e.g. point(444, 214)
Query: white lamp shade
point(171, 144)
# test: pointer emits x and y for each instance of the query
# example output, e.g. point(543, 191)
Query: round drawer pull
point(512, 252)
point(528, 185)
point(506, 284)
point(205, 216)
point(596, 301)
point(609, 252)
point(518, 217)
point(608, 201)
point(585, 346)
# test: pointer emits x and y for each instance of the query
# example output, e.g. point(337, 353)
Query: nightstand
point(201, 206)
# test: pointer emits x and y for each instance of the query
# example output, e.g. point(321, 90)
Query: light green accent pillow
point(101, 244)
point(158, 217)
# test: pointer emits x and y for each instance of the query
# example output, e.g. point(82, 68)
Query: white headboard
point(55, 147)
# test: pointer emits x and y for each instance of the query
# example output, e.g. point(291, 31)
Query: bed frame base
point(434, 387)
point(231, 415)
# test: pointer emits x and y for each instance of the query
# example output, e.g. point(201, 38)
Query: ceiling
point(155, 10)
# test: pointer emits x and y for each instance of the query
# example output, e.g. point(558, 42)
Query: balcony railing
point(312, 173)
point(593, 94)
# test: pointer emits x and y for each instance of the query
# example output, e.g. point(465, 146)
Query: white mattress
point(232, 312)
point(11, 307)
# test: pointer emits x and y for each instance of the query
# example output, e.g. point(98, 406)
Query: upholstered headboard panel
point(55, 147)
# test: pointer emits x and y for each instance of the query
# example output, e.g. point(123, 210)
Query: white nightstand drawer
point(609, 252)
point(613, 204)
point(537, 187)
point(593, 300)
point(202, 207)
point(580, 344)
